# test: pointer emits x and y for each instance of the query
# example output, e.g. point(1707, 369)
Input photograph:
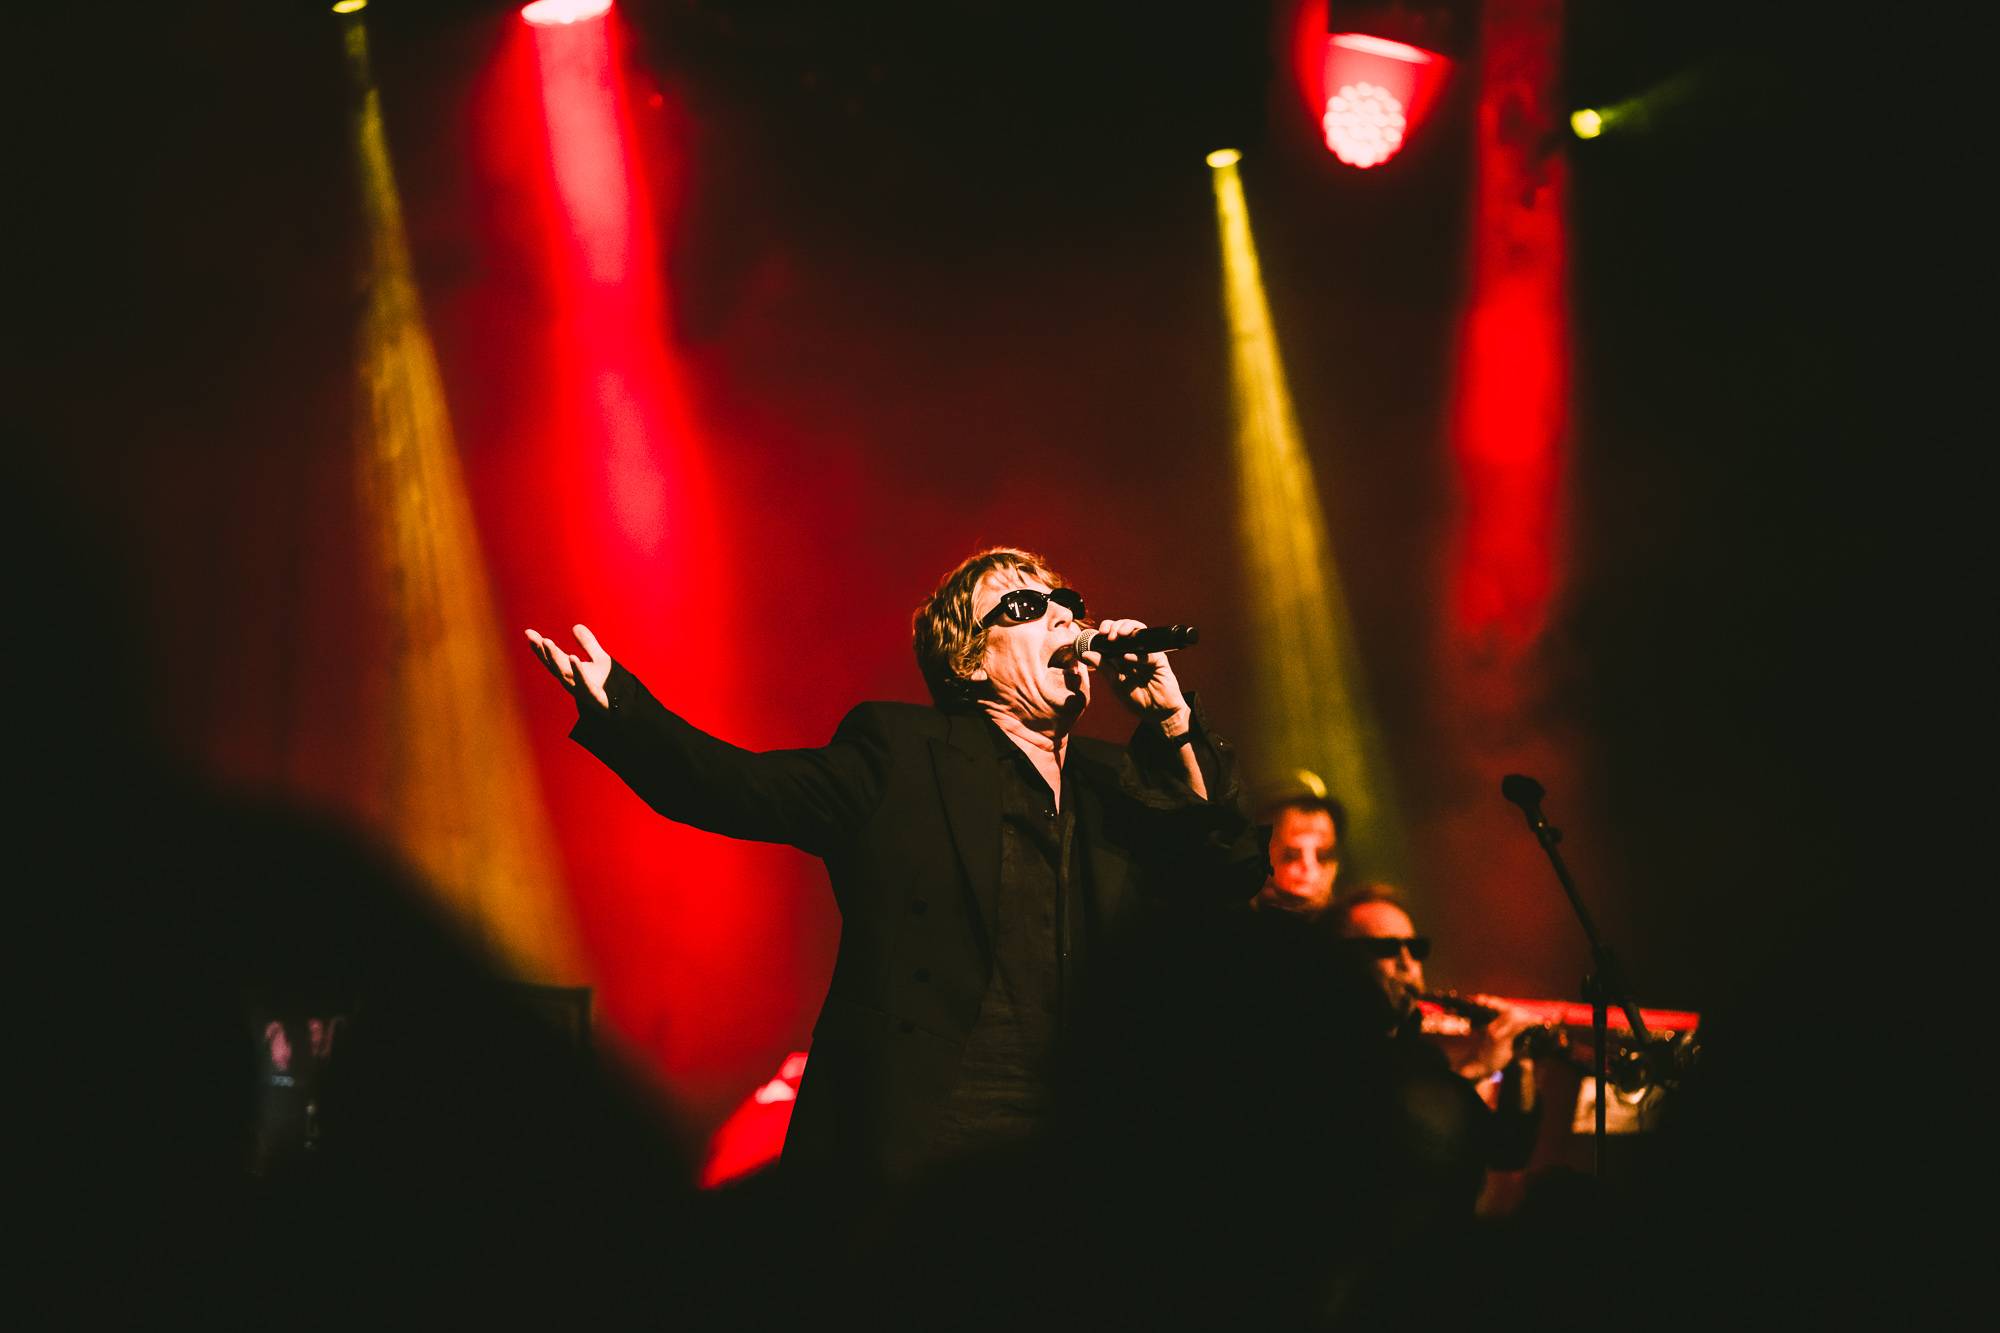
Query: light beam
point(674, 919)
point(1313, 711)
point(460, 797)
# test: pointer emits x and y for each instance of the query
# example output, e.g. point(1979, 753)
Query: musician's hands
point(584, 676)
point(1490, 1049)
point(1146, 684)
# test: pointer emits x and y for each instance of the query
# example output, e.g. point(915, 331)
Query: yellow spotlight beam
point(1312, 707)
point(459, 797)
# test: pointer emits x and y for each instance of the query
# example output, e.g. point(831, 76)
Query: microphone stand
point(1606, 984)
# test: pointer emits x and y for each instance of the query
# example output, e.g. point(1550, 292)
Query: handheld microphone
point(1157, 639)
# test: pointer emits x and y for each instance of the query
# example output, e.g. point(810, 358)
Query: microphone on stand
point(1157, 639)
point(1527, 793)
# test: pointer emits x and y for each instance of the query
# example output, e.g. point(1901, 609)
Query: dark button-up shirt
point(1004, 1082)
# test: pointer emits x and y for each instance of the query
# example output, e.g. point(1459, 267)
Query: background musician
point(1306, 834)
point(1373, 923)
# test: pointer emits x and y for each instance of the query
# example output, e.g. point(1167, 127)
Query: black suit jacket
point(903, 805)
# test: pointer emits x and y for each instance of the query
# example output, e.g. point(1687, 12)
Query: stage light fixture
point(1647, 111)
point(349, 6)
point(1364, 124)
point(1224, 157)
point(554, 13)
point(1371, 90)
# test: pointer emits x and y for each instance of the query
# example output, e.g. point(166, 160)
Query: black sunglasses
point(1023, 605)
point(1388, 946)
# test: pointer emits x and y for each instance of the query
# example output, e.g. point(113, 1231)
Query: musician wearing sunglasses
point(1373, 926)
point(978, 849)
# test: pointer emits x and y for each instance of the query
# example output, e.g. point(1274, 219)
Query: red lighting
point(1369, 94)
point(1511, 420)
point(754, 1135)
point(613, 460)
point(1364, 124)
point(550, 13)
point(1382, 46)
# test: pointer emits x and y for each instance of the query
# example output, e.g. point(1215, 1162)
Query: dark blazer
point(903, 805)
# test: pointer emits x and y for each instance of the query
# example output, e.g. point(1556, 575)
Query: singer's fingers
point(544, 652)
point(590, 644)
point(566, 668)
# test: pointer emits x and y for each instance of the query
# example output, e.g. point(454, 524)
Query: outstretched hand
point(584, 676)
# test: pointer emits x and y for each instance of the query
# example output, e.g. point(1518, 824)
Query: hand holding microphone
point(1133, 655)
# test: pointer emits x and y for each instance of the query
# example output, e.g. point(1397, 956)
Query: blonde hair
point(946, 634)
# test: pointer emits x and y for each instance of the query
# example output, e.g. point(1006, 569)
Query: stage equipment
point(293, 1054)
point(1154, 639)
point(1381, 69)
point(1643, 111)
point(553, 13)
point(1564, 1031)
point(1653, 1059)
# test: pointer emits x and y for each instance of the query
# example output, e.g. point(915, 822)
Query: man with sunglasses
point(979, 852)
point(1373, 925)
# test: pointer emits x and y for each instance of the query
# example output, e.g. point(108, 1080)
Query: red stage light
point(1376, 93)
point(549, 13)
point(1382, 46)
point(1364, 124)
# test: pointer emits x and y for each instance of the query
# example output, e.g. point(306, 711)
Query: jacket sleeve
point(1212, 846)
point(808, 798)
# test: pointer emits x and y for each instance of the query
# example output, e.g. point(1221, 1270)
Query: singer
point(977, 849)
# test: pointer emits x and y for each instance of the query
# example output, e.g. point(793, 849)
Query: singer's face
point(1032, 667)
point(1388, 921)
point(1302, 863)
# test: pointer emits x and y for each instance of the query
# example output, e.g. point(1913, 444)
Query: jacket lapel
point(969, 782)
